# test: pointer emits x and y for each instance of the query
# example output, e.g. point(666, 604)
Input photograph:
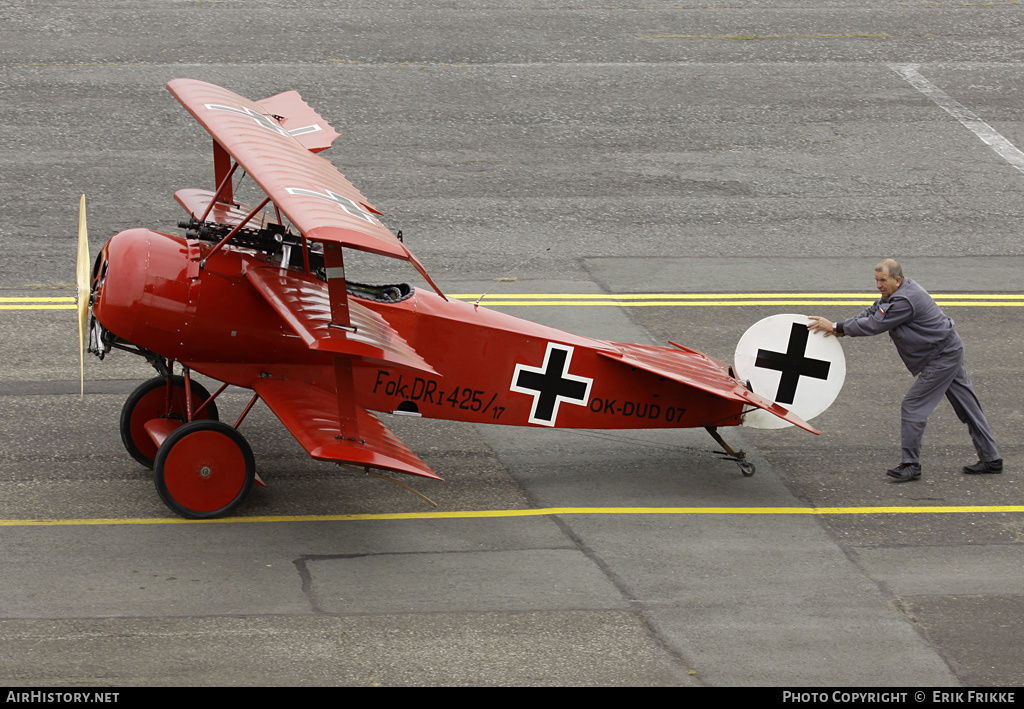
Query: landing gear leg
point(739, 457)
point(160, 397)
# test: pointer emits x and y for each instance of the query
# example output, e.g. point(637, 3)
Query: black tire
point(204, 469)
point(135, 440)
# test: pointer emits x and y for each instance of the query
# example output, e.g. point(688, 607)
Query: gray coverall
point(934, 353)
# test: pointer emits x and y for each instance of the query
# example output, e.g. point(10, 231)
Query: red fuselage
point(491, 367)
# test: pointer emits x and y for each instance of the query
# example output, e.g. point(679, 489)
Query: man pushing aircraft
point(932, 350)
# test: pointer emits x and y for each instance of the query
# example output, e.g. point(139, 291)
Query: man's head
point(888, 276)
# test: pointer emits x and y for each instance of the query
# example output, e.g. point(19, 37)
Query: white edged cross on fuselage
point(551, 384)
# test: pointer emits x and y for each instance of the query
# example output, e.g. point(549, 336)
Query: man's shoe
point(905, 472)
point(983, 467)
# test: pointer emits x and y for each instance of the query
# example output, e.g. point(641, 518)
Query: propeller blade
point(83, 266)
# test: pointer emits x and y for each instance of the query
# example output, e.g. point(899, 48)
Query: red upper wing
point(308, 189)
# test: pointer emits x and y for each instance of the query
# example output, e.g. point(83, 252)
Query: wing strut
point(347, 416)
point(337, 293)
point(223, 193)
point(234, 231)
point(222, 172)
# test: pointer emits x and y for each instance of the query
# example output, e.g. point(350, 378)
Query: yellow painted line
point(969, 303)
point(542, 512)
point(659, 296)
point(38, 303)
point(717, 296)
point(723, 299)
point(721, 303)
point(4, 306)
point(672, 303)
point(638, 300)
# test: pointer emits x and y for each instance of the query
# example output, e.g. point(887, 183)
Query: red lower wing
point(311, 415)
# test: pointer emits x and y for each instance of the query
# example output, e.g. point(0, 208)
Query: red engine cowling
point(144, 293)
point(152, 292)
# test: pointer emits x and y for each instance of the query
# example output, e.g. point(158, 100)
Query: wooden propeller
point(82, 297)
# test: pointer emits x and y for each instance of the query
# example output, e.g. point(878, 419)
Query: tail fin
point(787, 364)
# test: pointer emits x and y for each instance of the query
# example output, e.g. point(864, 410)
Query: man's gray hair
point(892, 266)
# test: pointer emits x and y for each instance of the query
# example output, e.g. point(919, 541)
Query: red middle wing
point(196, 201)
point(304, 305)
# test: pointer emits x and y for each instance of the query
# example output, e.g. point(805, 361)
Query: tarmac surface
point(532, 148)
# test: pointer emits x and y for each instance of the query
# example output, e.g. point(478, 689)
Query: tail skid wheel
point(149, 401)
point(738, 457)
point(204, 469)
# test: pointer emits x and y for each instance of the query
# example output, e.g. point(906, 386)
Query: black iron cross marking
point(551, 384)
point(793, 364)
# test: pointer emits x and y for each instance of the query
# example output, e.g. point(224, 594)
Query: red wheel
point(204, 469)
point(149, 401)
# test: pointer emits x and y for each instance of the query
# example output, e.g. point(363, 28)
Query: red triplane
point(258, 298)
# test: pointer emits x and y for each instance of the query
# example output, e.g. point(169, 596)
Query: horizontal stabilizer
point(306, 308)
point(300, 120)
point(311, 415)
point(700, 372)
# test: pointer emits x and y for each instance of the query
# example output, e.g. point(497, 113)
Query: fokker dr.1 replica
point(257, 297)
